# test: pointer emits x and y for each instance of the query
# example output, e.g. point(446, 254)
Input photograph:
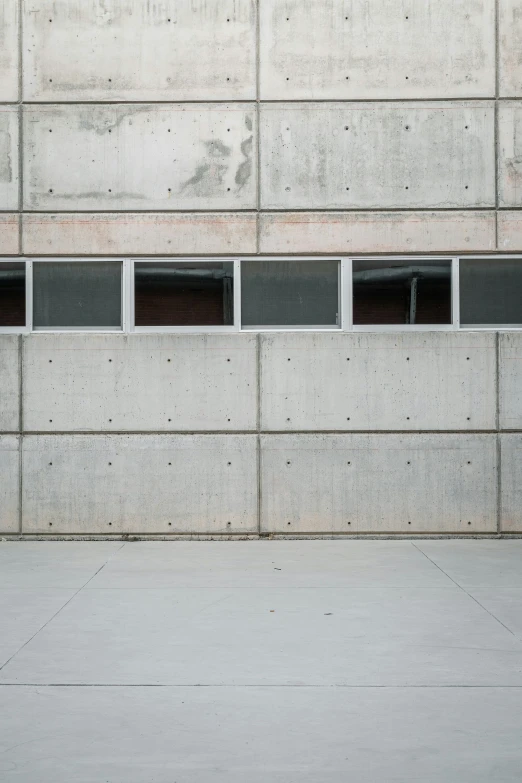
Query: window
point(290, 293)
point(491, 292)
point(77, 294)
point(12, 294)
point(224, 295)
point(184, 294)
point(405, 291)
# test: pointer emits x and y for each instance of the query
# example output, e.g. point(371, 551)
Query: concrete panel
point(378, 483)
point(9, 157)
point(9, 235)
point(376, 232)
point(371, 49)
point(161, 382)
point(139, 234)
point(140, 484)
point(511, 484)
point(510, 47)
point(128, 50)
point(145, 157)
point(9, 383)
point(9, 74)
point(510, 154)
point(9, 484)
point(509, 231)
point(423, 155)
point(510, 381)
point(403, 381)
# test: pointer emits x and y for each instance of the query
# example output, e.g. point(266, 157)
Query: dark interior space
point(12, 295)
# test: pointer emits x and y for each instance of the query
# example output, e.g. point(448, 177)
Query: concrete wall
point(243, 127)
point(274, 433)
point(214, 127)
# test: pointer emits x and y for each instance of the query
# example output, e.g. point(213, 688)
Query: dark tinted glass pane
point(184, 294)
point(77, 294)
point(12, 294)
point(290, 293)
point(402, 292)
point(491, 292)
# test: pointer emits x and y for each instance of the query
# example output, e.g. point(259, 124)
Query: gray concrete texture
point(281, 660)
point(259, 101)
point(274, 434)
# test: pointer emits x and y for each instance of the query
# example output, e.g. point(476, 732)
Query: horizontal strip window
point(258, 294)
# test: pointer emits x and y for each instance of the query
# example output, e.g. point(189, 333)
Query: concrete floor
point(248, 662)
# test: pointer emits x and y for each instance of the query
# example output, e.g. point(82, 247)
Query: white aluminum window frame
point(310, 327)
point(124, 328)
point(345, 296)
point(235, 327)
point(455, 299)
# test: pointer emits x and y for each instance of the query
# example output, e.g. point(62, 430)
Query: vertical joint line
point(496, 115)
point(499, 444)
point(20, 431)
point(258, 423)
point(258, 127)
point(20, 126)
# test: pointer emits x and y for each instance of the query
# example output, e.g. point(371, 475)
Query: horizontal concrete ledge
point(377, 232)
point(140, 233)
point(509, 230)
point(174, 537)
point(9, 234)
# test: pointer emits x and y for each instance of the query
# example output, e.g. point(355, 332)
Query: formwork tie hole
point(110, 463)
point(50, 421)
point(110, 419)
point(288, 462)
point(469, 417)
point(170, 463)
point(50, 361)
point(168, 360)
point(407, 418)
point(50, 463)
point(228, 360)
point(229, 463)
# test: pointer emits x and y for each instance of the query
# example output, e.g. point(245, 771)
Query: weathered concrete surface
point(130, 483)
point(403, 381)
point(9, 383)
point(9, 235)
point(510, 154)
point(372, 232)
point(243, 619)
point(378, 483)
point(140, 156)
point(324, 49)
point(9, 157)
point(138, 383)
point(129, 50)
point(510, 381)
point(423, 155)
point(9, 74)
point(139, 234)
point(509, 231)
point(284, 636)
point(337, 734)
point(9, 484)
point(510, 47)
point(511, 472)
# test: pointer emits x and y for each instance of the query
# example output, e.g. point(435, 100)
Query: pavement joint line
point(248, 685)
point(467, 593)
point(60, 609)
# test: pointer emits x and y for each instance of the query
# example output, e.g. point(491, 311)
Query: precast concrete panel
point(380, 155)
point(371, 49)
point(140, 383)
point(511, 485)
point(139, 484)
point(509, 231)
point(402, 381)
point(9, 484)
point(510, 381)
point(9, 157)
point(510, 47)
point(9, 234)
point(140, 233)
point(130, 50)
point(9, 382)
point(376, 232)
point(141, 157)
point(510, 153)
point(378, 483)
point(9, 39)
